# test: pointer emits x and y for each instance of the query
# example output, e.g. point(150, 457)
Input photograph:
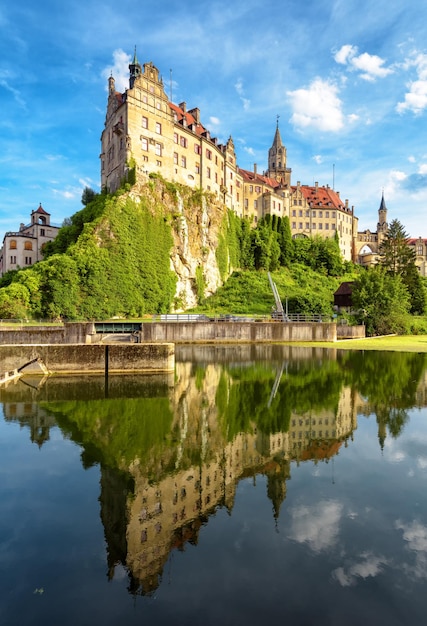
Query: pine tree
point(395, 254)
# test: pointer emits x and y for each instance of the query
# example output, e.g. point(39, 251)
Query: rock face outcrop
point(196, 222)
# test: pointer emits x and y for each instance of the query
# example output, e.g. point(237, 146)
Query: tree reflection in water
point(172, 451)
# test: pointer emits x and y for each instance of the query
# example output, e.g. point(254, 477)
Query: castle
point(145, 129)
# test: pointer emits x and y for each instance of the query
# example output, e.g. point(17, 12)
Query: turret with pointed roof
point(277, 160)
point(135, 70)
point(382, 226)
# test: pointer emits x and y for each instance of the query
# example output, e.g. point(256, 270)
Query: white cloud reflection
point(316, 525)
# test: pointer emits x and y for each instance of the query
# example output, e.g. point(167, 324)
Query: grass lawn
point(404, 343)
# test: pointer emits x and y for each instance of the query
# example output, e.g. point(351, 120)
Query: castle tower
point(277, 160)
point(382, 216)
point(135, 70)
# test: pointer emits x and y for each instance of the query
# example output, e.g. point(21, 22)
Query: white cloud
point(240, 91)
point(119, 70)
point(318, 159)
point(416, 97)
point(370, 66)
point(368, 566)
point(317, 525)
point(345, 54)
point(317, 107)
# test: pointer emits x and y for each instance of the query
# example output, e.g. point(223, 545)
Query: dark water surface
point(256, 485)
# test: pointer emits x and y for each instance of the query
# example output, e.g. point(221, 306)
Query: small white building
point(23, 248)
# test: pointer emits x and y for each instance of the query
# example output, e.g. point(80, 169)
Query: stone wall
point(235, 332)
point(95, 358)
point(77, 332)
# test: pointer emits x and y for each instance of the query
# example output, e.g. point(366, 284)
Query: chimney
point(255, 169)
point(183, 106)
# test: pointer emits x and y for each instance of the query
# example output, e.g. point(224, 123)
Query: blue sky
point(348, 79)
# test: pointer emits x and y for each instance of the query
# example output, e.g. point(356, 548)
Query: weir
point(88, 358)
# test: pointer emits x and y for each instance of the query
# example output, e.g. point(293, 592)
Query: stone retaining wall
point(96, 358)
point(234, 332)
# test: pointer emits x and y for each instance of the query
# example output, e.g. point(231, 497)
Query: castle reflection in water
point(231, 413)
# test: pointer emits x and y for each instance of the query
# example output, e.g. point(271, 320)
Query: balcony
point(119, 128)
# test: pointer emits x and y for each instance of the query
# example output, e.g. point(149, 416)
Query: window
point(314, 213)
point(175, 137)
point(27, 260)
point(255, 204)
point(209, 154)
point(320, 213)
point(307, 226)
point(42, 232)
point(197, 168)
point(208, 172)
point(258, 189)
point(183, 161)
point(13, 260)
point(300, 213)
point(300, 225)
point(327, 214)
point(12, 244)
point(144, 122)
point(158, 149)
point(294, 213)
point(175, 158)
point(144, 143)
point(183, 142)
point(294, 224)
point(158, 128)
point(327, 226)
point(320, 226)
point(28, 245)
point(197, 149)
point(251, 188)
point(333, 227)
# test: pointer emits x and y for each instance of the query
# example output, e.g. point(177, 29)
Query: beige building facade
point(25, 247)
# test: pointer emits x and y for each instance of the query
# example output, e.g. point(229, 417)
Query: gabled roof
point(258, 179)
point(345, 289)
point(322, 197)
point(414, 240)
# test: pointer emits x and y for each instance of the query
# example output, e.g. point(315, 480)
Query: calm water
point(256, 485)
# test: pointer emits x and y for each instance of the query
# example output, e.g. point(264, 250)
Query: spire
point(134, 69)
point(382, 205)
point(277, 141)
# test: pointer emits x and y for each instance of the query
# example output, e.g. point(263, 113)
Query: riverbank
point(397, 343)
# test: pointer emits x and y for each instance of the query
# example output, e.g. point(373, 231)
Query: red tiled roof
point(323, 197)
point(189, 119)
point(413, 240)
point(254, 178)
point(41, 210)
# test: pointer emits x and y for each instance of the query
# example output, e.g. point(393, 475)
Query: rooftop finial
point(277, 121)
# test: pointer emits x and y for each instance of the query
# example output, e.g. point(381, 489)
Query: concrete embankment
point(91, 359)
point(237, 332)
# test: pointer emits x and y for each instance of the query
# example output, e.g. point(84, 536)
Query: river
point(256, 484)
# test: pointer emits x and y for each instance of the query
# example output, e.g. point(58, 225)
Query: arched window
point(28, 245)
point(12, 244)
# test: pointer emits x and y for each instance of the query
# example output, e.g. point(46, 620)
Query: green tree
point(382, 302)
point(88, 195)
point(286, 242)
point(395, 254)
point(14, 301)
point(397, 257)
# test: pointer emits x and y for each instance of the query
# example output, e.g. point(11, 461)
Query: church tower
point(277, 160)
